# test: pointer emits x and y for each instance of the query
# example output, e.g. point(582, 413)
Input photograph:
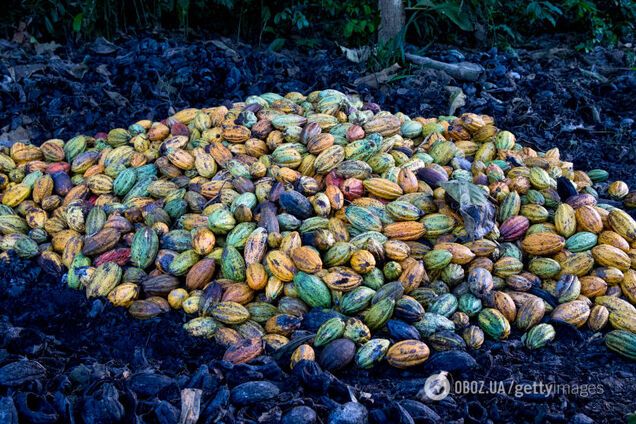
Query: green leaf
point(266, 14)
point(507, 30)
point(455, 14)
point(424, 4)
point(48, 25)
point(277, 44)
point(348, 29)
point(554, 9)
point(533, 10)
point(551, 19)
point(77, 22)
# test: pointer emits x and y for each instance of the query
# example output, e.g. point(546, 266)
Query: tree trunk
point(391, 19)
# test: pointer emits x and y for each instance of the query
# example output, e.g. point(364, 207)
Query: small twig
point(190, 406)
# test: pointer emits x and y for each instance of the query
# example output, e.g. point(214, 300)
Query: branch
point(467, 71)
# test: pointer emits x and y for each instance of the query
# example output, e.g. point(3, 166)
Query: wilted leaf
point(75, 70)
point(190, 406)
point(594, 75)
point(19, 72)
point(103, 70)
point(359, 55)
point(221, 45)
point(474, 206)
point(103, 46)
point(119, 100)
point(377, 78)
point(42, 48)
point(20, 134)
point(457, 99)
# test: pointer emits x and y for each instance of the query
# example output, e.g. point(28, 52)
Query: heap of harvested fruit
point(323, 223)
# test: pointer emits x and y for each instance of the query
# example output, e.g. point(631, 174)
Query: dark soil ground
point(66, 359)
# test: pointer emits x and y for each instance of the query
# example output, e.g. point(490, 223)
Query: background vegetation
point(309, 23)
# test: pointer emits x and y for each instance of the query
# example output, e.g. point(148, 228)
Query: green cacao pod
point(371, 353)
point(538, 336)
point(312, 290)
point(144, 247)
point(622, 342)
point(331, 329)
point(494, 323)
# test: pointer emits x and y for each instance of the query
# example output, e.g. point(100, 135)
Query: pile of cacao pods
point(321, 223)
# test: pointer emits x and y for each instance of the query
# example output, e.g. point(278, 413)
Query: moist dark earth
point(66, 359)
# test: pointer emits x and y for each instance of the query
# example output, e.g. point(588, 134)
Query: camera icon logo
point(437, 386)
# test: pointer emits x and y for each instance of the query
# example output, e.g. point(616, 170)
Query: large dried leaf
point(474, 206)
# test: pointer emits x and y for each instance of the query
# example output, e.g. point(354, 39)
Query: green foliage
point(291, 16)
point(387, 53)
point(505, 22)
point(362, 19)
point(543, 11)
point(354, 21)
point(308, 23)
point(452, 10)
point(605, 22)
point(91, 18)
